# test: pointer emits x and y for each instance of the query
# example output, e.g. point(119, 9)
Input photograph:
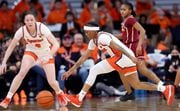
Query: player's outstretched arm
point(142, 31)
point(55, 44)
point(77, 64)
point(7, 55)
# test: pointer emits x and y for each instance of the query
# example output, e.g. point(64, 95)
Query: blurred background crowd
point(65, 18)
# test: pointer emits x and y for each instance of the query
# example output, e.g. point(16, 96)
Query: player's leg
point(168, 90)
point(177, 84)
point(134, 81)
point(125, 83)
point(49, 69)
point(177, 79)
point(141, 65)
point(26, 64)
point(142, 68)
point(120, 63)
point(102, 67)
point(129, 94)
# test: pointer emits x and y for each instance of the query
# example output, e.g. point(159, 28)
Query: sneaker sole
point(171, 99)
point(75, 104)
point(65, 102)
point(127, 101)
point(5, 107)
point(71, 102)
point(67, 98)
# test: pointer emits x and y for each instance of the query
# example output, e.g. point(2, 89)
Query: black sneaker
point(177, 96)
point(127, 97)
point(177, 92)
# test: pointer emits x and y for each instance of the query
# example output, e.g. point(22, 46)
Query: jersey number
point(38, 45)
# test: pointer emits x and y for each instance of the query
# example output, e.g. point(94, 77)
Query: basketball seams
point(46, 103)
point(45, 99)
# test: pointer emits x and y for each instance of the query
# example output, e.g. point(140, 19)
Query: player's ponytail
point(131, 8)
point(133, 13)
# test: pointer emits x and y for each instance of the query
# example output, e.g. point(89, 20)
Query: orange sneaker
point(169, 94)
point(5, 103)
point(16, 99)
point(23, 97)
point(74, 99)
point(61, 99)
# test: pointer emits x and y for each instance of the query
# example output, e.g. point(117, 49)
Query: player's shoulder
point(91, 41)
point(130, 19)
point(21, 29)
point(104, 35)
point(39, 23)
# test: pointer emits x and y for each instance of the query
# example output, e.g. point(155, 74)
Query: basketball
point(45, 99)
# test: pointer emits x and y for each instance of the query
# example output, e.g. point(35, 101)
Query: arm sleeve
point(104, 39)
point(91, 45)
point(19, 34)
point(45, 30)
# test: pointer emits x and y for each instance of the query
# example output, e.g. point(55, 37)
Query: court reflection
point(64, 108)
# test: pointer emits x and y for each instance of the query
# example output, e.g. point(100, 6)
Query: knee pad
point(91, 77)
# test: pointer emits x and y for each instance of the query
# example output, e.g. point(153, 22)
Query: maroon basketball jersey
point(131, 36)
point(129, 33)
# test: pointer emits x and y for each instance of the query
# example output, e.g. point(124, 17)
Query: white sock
point(161, 88)
point(81, 95)
point(9, 95)
point(160, 83)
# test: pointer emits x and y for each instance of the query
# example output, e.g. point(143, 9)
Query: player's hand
point(138, 50)
point(66, 75)
point(3, 68)
point(134, 59)
point(171, 68)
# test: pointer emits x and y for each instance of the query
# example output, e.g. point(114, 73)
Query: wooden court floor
point(151, 103)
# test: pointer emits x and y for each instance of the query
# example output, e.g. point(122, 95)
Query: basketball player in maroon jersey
point(133, 35)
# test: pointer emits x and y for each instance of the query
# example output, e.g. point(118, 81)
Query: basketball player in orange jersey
point(121, 59)
point(133, 35)
point(38, 41)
